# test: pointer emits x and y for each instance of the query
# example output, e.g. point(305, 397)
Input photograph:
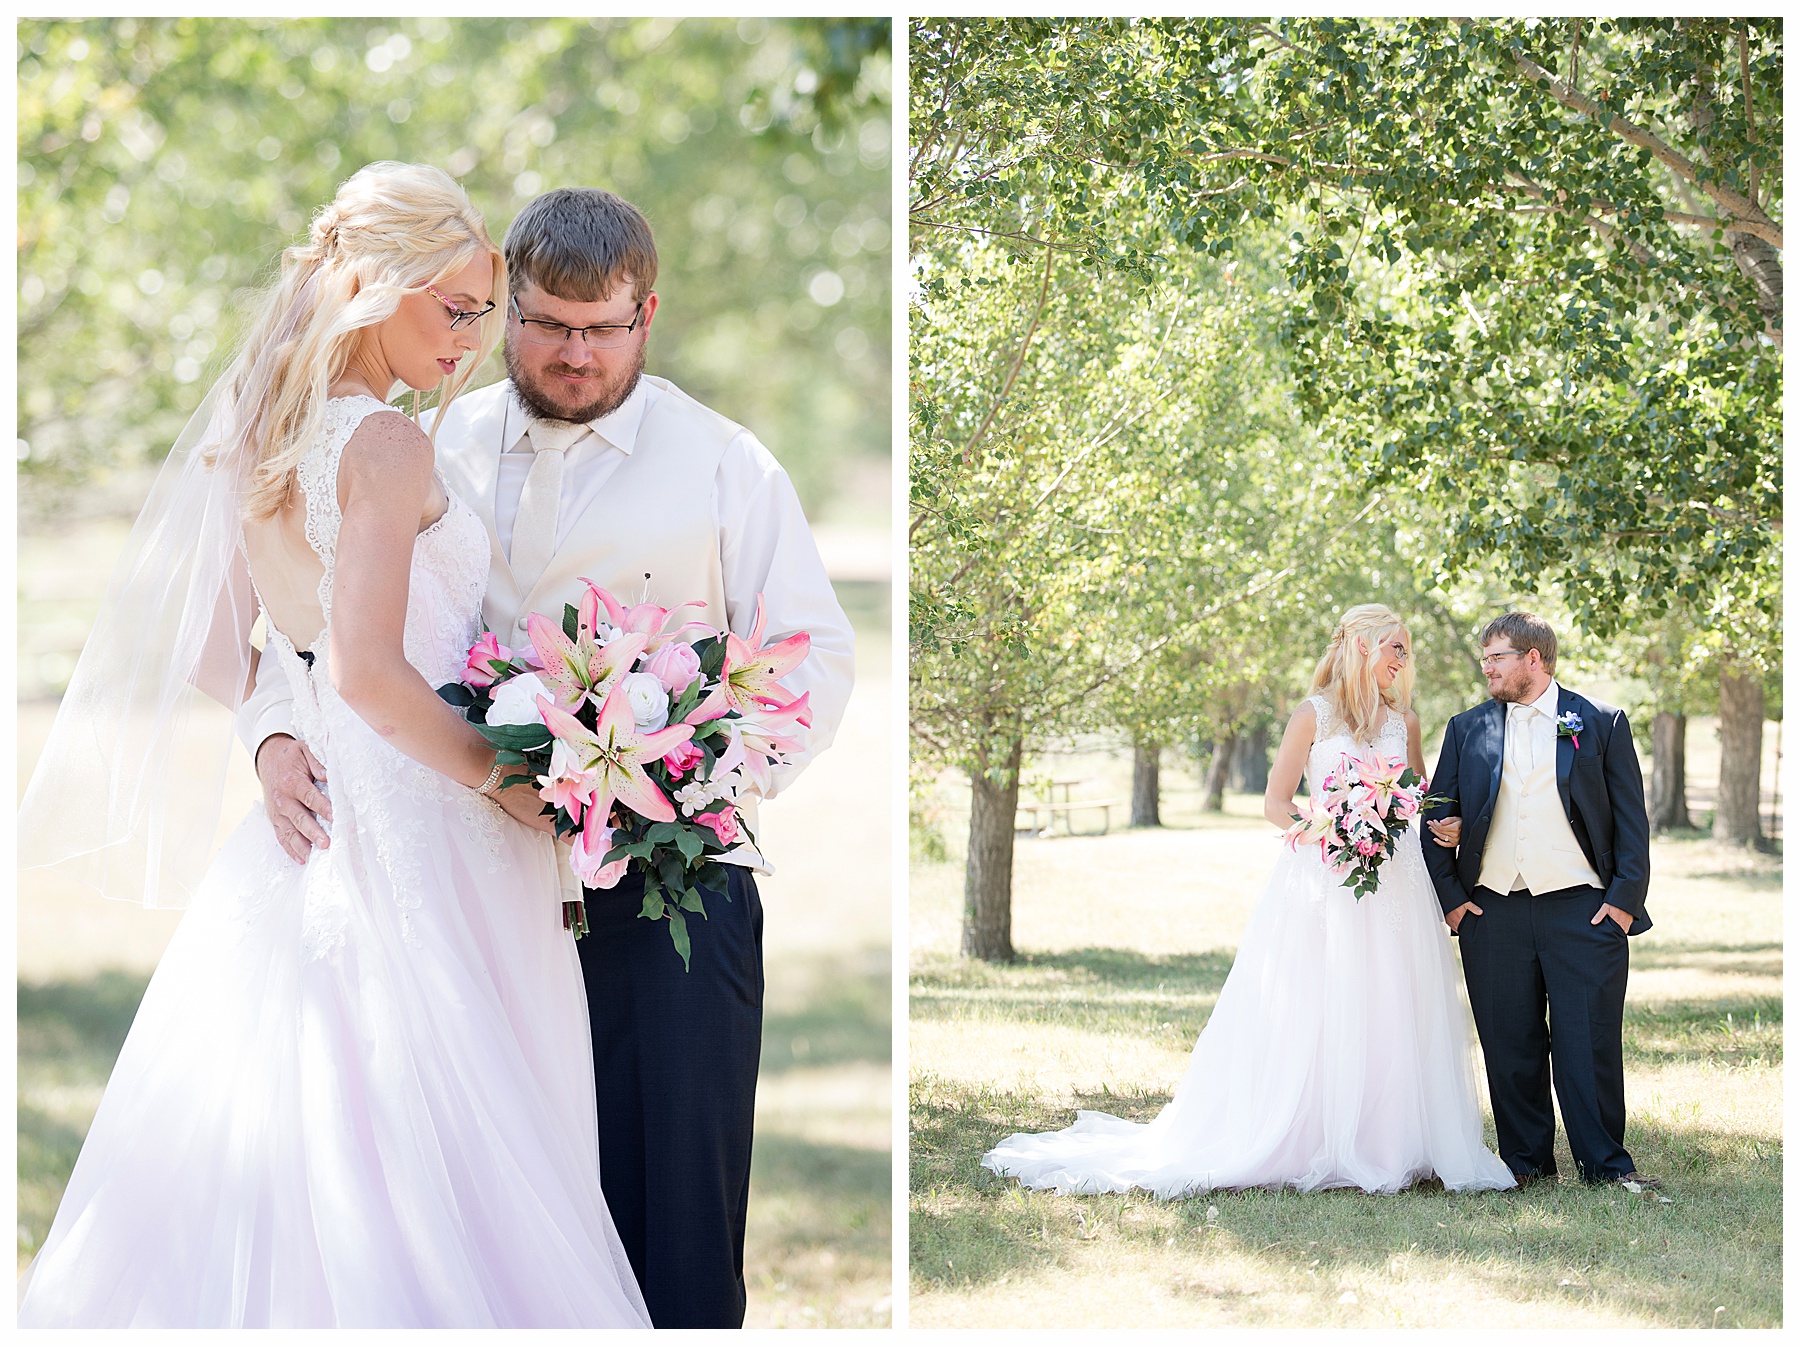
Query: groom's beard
point(542, 401)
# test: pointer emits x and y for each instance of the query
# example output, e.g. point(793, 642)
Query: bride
point(358, 1091)
point(1338, 1054)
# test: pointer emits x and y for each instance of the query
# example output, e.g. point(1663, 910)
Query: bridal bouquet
point(640, 732)
point(1360, 811)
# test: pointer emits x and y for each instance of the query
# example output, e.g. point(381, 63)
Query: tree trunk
point(987, 877)
point(1668, 772)
point(1223, 748)
point(1146, 785)
point(1739, 816)
point(1250, 765)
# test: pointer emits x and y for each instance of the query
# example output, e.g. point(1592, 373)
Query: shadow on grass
point(1097, 990)
point(820, 1229)
point(1756, 960)
point(86, 1018)
point(1128, 992)
point(1719, 1242)
point(70, 1033)
point(846, 1016)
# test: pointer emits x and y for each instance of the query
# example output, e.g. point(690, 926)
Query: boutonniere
point(1569, 726)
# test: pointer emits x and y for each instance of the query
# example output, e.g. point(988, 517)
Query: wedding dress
point(1338, 1054)
point(358, 1092)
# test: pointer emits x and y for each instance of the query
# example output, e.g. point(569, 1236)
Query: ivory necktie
point(535, 525)
point(1524, 751)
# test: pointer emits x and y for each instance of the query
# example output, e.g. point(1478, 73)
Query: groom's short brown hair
point(1526, 631)
point(580, 244)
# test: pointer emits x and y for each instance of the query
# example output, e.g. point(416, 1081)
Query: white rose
point(649, 703)
point(515, 700)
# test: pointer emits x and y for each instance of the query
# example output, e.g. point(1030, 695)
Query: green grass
point(1084, 1021)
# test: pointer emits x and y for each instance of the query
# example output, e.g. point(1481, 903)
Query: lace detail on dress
point(317, 476)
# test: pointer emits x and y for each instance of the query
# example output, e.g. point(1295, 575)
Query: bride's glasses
point(459, 318)
point(604, 336)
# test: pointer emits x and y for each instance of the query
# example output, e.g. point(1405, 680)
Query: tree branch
point(1709, 222)
point(1018, 360)
point(1745, 211)
point(1743, 37)
point(997, 233)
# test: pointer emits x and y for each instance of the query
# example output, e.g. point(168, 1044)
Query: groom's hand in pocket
point(1622, 918)
point(1455, 918)
point(293, 795)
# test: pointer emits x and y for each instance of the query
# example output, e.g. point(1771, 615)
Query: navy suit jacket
point(1602, 790)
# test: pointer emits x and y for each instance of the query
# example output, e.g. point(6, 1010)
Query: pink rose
point(683, 759)
point(586, 861)
point(675, 666)
point(723, 823)
point(483, 655)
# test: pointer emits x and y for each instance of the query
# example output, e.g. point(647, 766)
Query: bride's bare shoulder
point(1305, 719)
point(388, 440)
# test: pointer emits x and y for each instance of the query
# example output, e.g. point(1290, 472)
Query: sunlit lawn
point(1125, 941)
point(819, 1241)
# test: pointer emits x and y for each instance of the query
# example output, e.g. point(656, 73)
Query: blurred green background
point(164, 164)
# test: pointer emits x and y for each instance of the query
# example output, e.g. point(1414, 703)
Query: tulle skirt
point(1339, 1054)
point(358, 1093)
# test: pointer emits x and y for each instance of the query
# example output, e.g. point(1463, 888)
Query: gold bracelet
point(493, 778)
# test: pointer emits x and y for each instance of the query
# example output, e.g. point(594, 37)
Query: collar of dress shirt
point(619, 427)
point(1545, 705)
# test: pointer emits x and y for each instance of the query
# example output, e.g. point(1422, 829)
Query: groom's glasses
point(459, 318)
point(1491, 660)
point(604, 336)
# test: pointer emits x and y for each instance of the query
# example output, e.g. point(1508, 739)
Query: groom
point(1549, 880)
point(583, 467)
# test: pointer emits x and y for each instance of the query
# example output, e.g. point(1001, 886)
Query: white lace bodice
point(445, 587)
point(1332, 741)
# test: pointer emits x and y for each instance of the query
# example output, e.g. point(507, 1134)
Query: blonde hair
point(1346, 675)
point(391, 230)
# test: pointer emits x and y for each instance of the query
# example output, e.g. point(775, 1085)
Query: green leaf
point(457, 694)
point(678, 932)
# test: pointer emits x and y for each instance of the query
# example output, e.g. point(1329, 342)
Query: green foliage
point(1540, 318)
point(164, 163)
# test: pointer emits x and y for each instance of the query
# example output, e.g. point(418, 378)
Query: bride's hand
point(522, 802)
point(1446, 831)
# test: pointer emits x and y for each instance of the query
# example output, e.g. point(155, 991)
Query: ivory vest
point(658, 515)
point(1529, 840)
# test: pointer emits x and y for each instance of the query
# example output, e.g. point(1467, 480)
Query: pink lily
point(580, 667)
point(759, 737)
point(751, 674)
point(1313, 828)
point(567, 787)
point(616, 753)
point(644, 619)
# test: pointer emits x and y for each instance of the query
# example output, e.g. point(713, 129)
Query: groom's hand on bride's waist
point(1623, 919)
point(293, 795)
